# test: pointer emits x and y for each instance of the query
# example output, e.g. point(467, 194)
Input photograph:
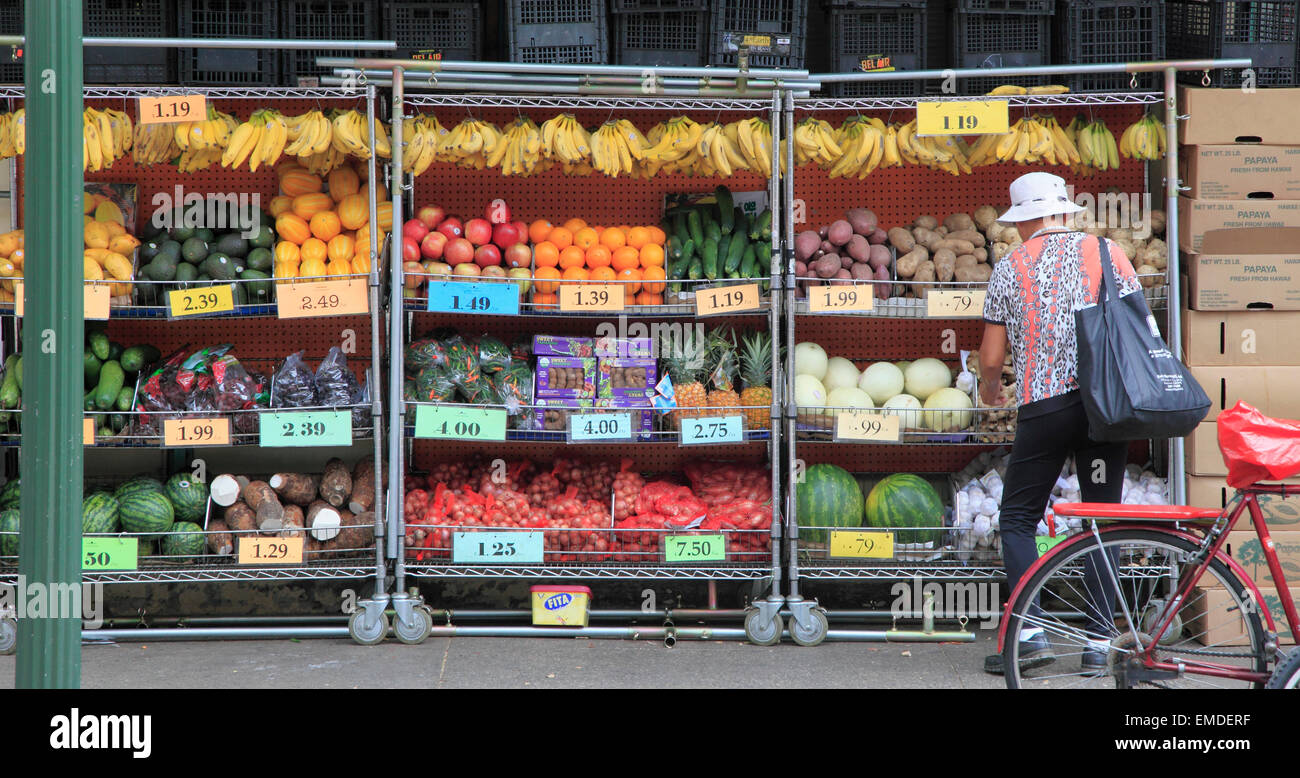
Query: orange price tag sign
point(955, 304)
point(592, 297)
point(344, 297)
point(841, 299)
point(726, 299)
point(187, 433)
point(866, 428)
point(94, 300)
point(172, 109)
point(270, 551)
point(87, 431)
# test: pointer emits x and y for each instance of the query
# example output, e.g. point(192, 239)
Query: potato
point(878, 236)
point(1127, 247)
point(955, 246)
point(880, 257)
point(924, 272)
point(981, 255)
point(858, 248)
point(1158, 220)
point(926, 237)
point(1011, 234)
point(958, 221)
point(927, 222)
point(901, 239)
point(1000, 250)
point(863, 221)
point(967, 260)
point(827, 266)
point(1148, 270)
point(828, 248)
point(974, 237)
point(847, 262)
point(800, 269)
point(985, 215)
point(882, 290)
point(975, 274)
point(842, 278)
point(1117, 234)
point(907, 264)
point(839, 232)
point(862, 272)
point(805, 245)
point(945, 262)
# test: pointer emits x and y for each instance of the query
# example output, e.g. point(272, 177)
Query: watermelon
point(9, 523)
point(185, 539)
point(99, 513)
point(137, 484)
point(146, 512)
point(903, 501)
point(189, 497)
point(828, 497)
point(144, 548)
point(10, 495)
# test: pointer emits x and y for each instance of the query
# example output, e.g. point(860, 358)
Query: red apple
point(438, 269)
point(479, 231)
point(467, 269)
point(433, 245)
point(412, 275)
point(498, 212)
point(414, 228)
point(410, 250)
point(519, 255)
point(494, 271)
point(487, 255)
point(458, 251)
point(451, 227)
point(432, 216)
point(521, 230)
point(504, 235)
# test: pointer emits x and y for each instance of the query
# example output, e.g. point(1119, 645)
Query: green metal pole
point(49, 649)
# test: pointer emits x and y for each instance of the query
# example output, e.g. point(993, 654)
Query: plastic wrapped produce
point(434, 384)
point(462, 361)
point(294, 384)
point(425, 352)
point(336, 386)
point(493, 355)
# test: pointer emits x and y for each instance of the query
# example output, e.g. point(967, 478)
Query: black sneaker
point(1033, 653)
point(1093, 660)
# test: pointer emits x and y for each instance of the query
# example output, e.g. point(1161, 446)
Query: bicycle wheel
point(1217, 626)
point(1287, 674)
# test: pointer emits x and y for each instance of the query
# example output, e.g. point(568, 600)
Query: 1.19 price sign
point(726, 299)
point(962, 117)
point(172, 109)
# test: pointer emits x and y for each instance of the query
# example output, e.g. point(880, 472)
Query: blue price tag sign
point(109, 553)
point(499, 299)
point(599, 427)
point(456, 422)
point(280, 429)
point(496, 548)
point(721, 429)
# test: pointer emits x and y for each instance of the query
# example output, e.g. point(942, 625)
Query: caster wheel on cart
point(416, 633)
point(368, 636)
point(761, 631)
point(815, 634)
point(8, 636)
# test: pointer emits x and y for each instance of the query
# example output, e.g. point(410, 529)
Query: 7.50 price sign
point(694, 548)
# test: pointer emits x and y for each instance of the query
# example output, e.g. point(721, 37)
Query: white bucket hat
point(1035, 195)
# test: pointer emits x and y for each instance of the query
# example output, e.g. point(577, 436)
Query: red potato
point(862, 220)
point(842, 278)
point(882, 290)
point(879, 257)
point(862, 272)
point(828, 248)
point(839, 232)
point(859, 248)
point(800, 269)
point(827, 266)
point(846, 262)
point(878, 236)
point(806, 244)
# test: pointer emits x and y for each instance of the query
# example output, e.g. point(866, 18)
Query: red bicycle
point(1145, 596)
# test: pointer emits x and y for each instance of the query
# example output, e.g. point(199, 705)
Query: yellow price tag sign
point(856, 427)
point(861, 544)
point(955, 304)
point(962, 117)
point(270, 551)
point(592, 297)
point(201, 301)
point(172, 109)
point(87, 431)
point(187, 433)
point(94, 300)
point(841, 299)
point(726, 299)
point(756, 41)
point(344, 297)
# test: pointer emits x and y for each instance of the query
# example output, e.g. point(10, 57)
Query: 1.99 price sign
point(187, 433)
point(841, 299)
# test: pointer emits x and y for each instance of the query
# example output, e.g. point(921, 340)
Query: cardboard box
point(547, 387)
point(624, 348)
point(1282, 515)
point(1243, 546)
point(1197, 217)
point(1241, 269)
point(1246, 338)
point(552, 415)
point(643, 415)
point(1242, 171)
point(563, 346)
point(1231, 115)
point(1208, 618)
point(642, 391)
point(1201, 451)
point(1273, 390)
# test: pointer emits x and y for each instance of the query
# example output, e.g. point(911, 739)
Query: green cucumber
point(726, 216)
point(125, 399)
point(111, 378)
point(761, 229)
point(91, 364)
point(749, 263)
point(9, 397)
point(88, 402)
point(99, 344)
point(712, 230)
point(695, 227)
point(724, 246)
point(742, 221)
point(117, 421)
point(710, 259)
point(673, 248)
point(737, 251)
point(18, 372)
point(679, 227)
point(137, 358)
point(696, 271)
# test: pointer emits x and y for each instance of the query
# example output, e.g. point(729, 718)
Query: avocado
point(265, 237)
point(204, 234)
point(219, 267)
point(186, 272)
point(231, 244)
point(162, 268)
point(149, 249)
point(260, 259)
point(259, 289)
point(170, 247)
point(194, 250)
point(181, 233)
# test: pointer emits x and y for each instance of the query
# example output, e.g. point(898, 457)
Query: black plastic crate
point(11, 23)
point(558, 31)
point(229, 19)
point(325, 20)
point(1000, 39)
point(1265, 31)
point(674, 38)
point(897, 30)
point(784, 23)
point(128, 19)
point(1007, 6)
point(624, 6)
point(452, 30)
point(1096, 31)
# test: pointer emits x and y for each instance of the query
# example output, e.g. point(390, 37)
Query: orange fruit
point(652, 255)
point(613, 238)
point(638, 237)
point(574, 224)
point(325, 225)
point(545, 254)
point(598, 256)
point(654, 278)
point(538, 230)
point(627, 258)
point(572, 257)
point(562, 237)
point(632, 277)
point(603, 274)
point(657, 235)
point(585, 238)
point(649, 298)
point(576, 274)
point(546, 277)
point(545, 299)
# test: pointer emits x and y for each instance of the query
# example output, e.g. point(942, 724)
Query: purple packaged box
point(552, 415)
point(642, 420)
point(609, 347)
point(551, 383)
point(563, 346)
point(631, 378)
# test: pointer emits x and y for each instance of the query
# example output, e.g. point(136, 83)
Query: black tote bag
point(1132, 385)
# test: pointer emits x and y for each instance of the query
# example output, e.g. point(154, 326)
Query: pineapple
point(721, 363)
point(685, 366)
point(756, 373)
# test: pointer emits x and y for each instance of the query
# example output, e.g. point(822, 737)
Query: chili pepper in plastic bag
point(434, 384)
point(493, 355)
point(423, 353)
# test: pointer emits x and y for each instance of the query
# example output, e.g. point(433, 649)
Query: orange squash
point(312, 268)
point(381, 191)
point(361, 264)
point(343, 182)
point(325, 225)
point(384, 215)
point(308, 205)
point(281, 204)
point(341, 247)
point(300, 182)
point(286, 269)
point(285, 251)
point(293, 228)
point(95, 235)
point(339, 267)
point(314, 249)
point(354, 212)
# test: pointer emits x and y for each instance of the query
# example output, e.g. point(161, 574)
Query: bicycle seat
point(1114, 510)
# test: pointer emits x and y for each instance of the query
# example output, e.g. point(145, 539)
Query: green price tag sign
point(460, 423)
point(281, 429)
point(109, 553)
point(721, 429)
point(1047, 543)
point(695, 548)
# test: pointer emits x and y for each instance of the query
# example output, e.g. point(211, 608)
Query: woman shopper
point(1032, 297)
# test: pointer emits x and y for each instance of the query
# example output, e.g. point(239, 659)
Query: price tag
point(756, 41)
point(695, 548)
point(722, 429)
point(344, 297)
point(87, 431)
point(841, 299)
point(185, 433)
point(281, 429)
point(456, 422)
point(955, 304)
point(496, 548)
point(109, 553)
point(94, 300)
point(501, 299)
point(1046, 543)
point(599, 427)
point(592, 297)
point(857, 427)
point(173, 108)
point(726, 299)
point(962, 117)
point(861, 544)
point(201, 301)
point(270, 551)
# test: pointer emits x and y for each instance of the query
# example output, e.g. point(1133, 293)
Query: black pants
point(1047, 433)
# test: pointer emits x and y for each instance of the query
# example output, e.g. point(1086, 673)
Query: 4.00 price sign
point(460, 423)
point(599, 427)
point(280, 429)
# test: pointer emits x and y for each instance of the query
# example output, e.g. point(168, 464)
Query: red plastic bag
point(1256, 447)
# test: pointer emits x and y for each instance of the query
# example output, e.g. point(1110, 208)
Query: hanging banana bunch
point(13, 133)
point(420, 137)
point(614, 151)
point(670, 143)
point(469, 143)
point(154, 143)
point(754, 138)
point(309, 134)
point(1144, 139)
point(565, 139)
point(519, 153)
point(1097, 147)
point(106, 136)
point(814, 141)
point(722, 152)
point(1072, 131)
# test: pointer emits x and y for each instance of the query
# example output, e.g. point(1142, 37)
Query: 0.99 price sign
point(187, 433)
point(854, 427)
